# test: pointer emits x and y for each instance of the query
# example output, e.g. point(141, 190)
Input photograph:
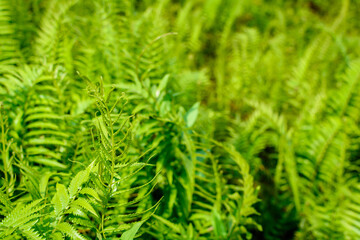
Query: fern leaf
point(82, 202)
point(68, 230)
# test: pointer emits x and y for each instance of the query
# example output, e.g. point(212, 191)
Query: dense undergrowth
point(179, 119)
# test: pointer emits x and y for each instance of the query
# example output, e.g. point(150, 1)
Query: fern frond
point(21, 215)
point(9, 49)
point(68, 230)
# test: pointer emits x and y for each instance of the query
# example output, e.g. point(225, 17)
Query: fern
point(20, 220)
point(192, 119)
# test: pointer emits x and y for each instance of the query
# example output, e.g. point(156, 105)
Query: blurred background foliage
point(179, 119)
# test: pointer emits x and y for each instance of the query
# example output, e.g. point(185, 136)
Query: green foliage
point(179, 119)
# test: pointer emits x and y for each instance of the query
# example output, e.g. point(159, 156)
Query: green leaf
point(219, 227)
point(70, 231)
point(4, 199)
point(61, 198)
point(192, 114)
point(91, 192)
point(130, 234)
point(76, 183)
point(32, 234)
point(175, 227)
point(162, 85)
point(48, 162)
point(44, 182)
point(81, 202)
point(80, 178)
